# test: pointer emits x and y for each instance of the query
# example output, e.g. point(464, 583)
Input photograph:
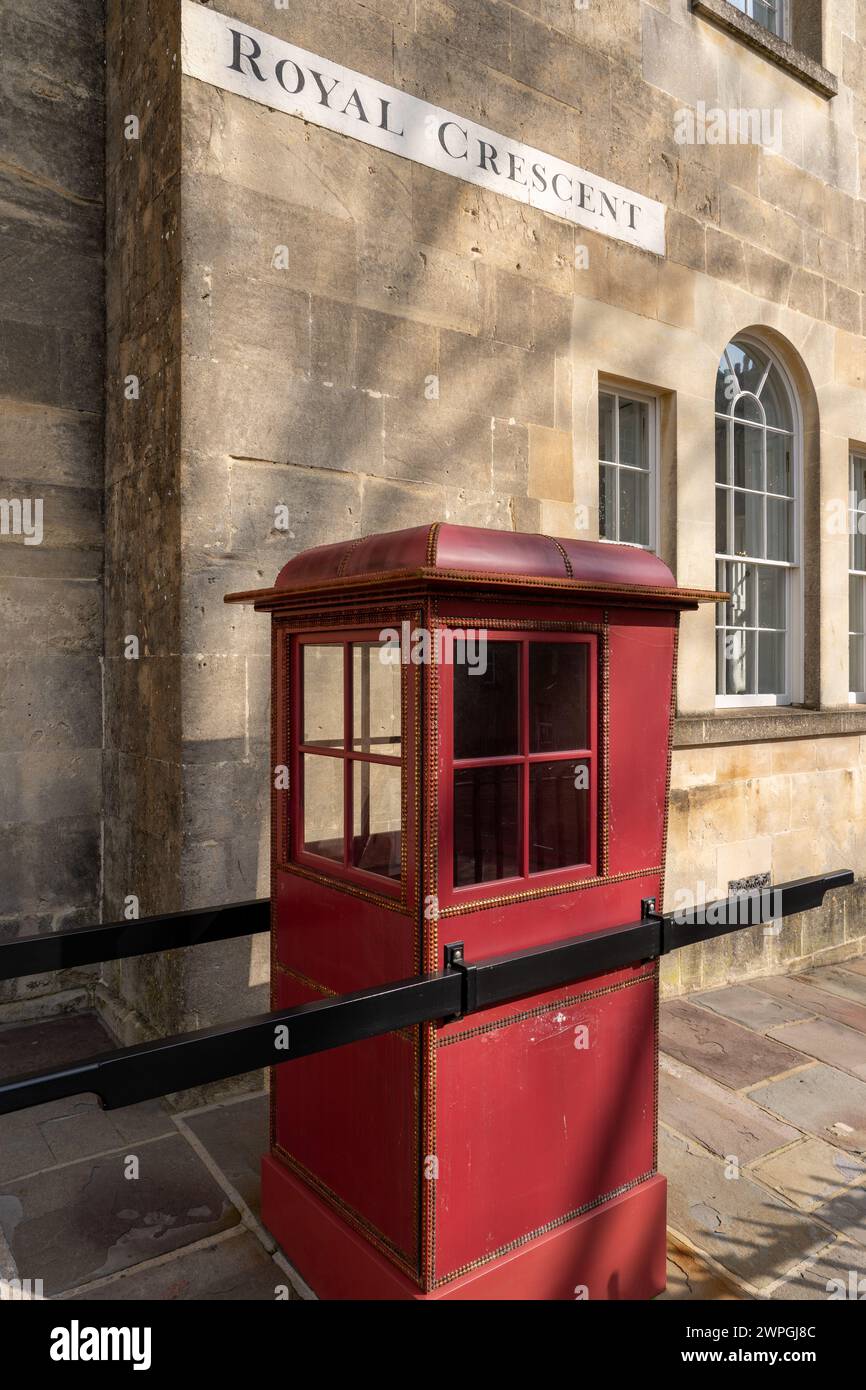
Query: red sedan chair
point(471, 743)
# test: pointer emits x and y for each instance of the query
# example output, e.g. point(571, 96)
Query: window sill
point(756, 37)
point(766, 725)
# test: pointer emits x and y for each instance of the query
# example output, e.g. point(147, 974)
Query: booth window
point(627, 469)
point(857, 579)
point(349, 756)
point(524, 760)
point(756, 527)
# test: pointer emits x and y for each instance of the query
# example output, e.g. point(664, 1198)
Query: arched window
point(757, 460)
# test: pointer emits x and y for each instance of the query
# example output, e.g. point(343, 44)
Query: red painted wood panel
point(349, 1117)
point(532, 1127)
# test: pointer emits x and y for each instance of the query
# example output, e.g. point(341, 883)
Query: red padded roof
point(450, 554)
point(473, 549)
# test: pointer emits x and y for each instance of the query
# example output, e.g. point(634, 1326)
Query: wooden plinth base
point(616, 1251)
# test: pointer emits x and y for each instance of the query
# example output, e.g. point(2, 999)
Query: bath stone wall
point(51, 401)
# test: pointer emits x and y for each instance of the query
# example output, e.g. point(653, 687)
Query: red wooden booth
point(471, 741)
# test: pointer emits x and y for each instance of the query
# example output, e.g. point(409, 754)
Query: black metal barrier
point(186, 1060)
point(61, 950)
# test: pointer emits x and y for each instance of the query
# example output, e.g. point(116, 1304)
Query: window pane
point(748, 465)
point(633, 507)
point(857, 626)
point(766, 15)
point(747, 408)
point(771, 663)
point(485, 705)
point(558, 815)
point(323, 695)
point(606, 440)
point(857, 533)
point(722, 520)
point(779, 470)
point(558, 696)
point(856, 606)
point(772, 586)
point(486, 816)
point(776, 403)
point(740, 583)
point(857, 677)
point(748, 524)
point(726, 387)
point(607, 502)
point(739, 662)
point(376, 818)
point(633, 433)
point(778, 529)
point(323, 805)
point(722, 428)
point(749, 365)
point(376, 714)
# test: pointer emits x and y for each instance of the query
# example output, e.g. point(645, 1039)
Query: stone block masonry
point(51, 399)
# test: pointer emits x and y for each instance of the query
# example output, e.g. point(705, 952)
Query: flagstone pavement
point(762, 1137)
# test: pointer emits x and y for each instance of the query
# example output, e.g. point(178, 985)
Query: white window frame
point(747, 7)
point(627, 393)
point(854, 514)
point(794, 645)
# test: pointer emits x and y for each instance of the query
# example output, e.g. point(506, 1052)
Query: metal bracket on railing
point(455, 960)
point(193, 1059)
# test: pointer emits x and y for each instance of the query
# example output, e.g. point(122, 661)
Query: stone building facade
point(310, 337)
point(52, 313)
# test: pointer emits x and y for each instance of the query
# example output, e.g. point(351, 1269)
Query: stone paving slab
point(743, 1227)
point(721, 1121)
point(51, 1042)
point(237, 1269)
point(858, 965)
point(721, 1049)
point(828, 1041)
point(828, 1103)
point(688, 1277)
point(22, 1147)
point(83, 1221)
point(847, 1214)
point(838, 1274)
point(236, 1136)
point(810, 1172)
point(750, 1007)
point(817, 1001)
point(65, 1130)
point(836, 979)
